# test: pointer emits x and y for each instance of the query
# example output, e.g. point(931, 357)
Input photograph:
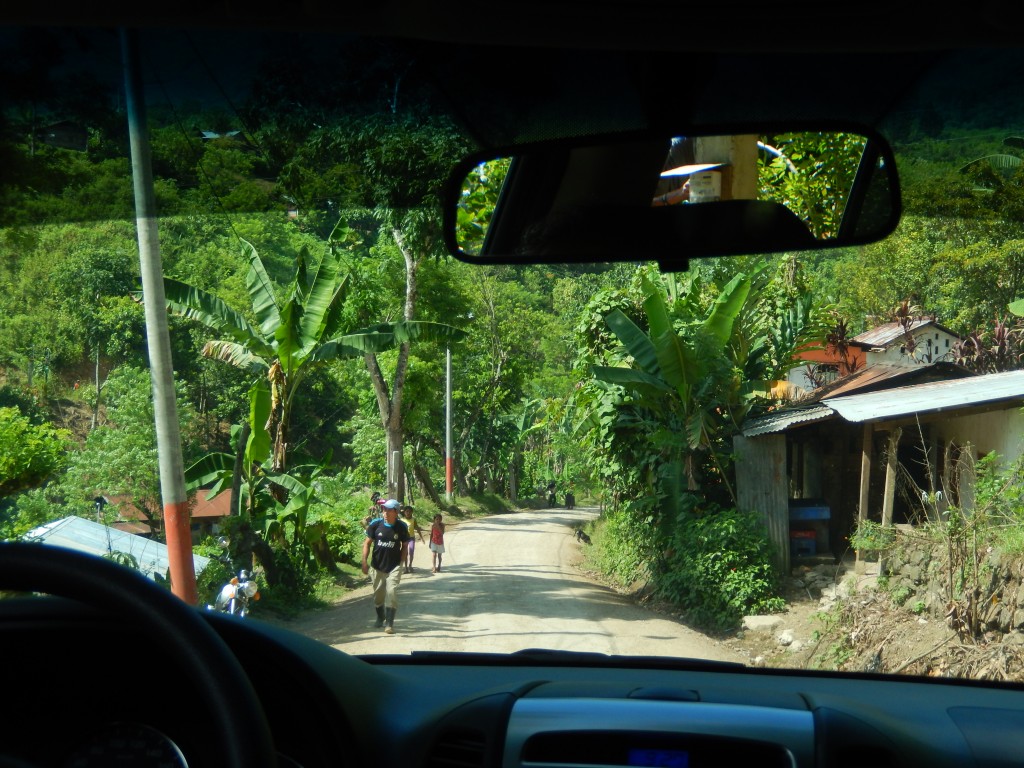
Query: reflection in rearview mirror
point(671, 198)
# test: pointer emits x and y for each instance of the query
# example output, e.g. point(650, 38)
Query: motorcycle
point(235, 596)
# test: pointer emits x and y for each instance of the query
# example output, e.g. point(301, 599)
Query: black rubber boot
point(380, 616)
point(390, 620)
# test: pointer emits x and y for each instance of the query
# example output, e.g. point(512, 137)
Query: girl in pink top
point(437, 542)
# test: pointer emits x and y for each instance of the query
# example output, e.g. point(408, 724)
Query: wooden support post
point(890, 487)
point(865, 486)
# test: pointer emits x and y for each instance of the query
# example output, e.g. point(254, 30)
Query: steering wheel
point(239, 732)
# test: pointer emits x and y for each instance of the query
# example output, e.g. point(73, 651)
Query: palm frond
point(261, 290)
point(636, 342)
point(235, 354)
point(630, 378)
point(422, 330)
point(196, 304)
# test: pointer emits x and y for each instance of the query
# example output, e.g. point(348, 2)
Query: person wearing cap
point(387, 537)
point(376, 509)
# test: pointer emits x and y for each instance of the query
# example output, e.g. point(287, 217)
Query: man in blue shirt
point(388, 538)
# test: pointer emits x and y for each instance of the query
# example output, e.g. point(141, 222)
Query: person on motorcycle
point(236, 596)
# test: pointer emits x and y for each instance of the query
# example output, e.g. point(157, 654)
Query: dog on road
point(581, 536)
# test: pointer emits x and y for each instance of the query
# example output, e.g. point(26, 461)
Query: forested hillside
point(300, 195)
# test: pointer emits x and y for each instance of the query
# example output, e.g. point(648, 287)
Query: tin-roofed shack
point(101, 540)
point(868, 446)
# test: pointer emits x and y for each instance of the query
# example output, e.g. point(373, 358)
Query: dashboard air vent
point(458, 748)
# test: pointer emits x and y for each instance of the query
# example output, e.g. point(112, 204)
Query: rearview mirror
point(670, 198)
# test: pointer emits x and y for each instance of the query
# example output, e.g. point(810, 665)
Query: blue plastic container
point(802, 544)
point(809, 513)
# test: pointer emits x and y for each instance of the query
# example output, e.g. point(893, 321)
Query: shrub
point(29, 453)
point(21, 513)
point(339, 508)
point(717, 566)
point(871, 537)
point(622, 546)
point(215, 575)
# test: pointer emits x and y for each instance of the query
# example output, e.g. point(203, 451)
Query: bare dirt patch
point(838, 620)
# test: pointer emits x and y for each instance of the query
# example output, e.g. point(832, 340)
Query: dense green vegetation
point(312, 308)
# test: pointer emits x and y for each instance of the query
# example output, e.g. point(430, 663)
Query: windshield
point(802, 460)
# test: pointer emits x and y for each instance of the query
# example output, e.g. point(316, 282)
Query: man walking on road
point(388, 538)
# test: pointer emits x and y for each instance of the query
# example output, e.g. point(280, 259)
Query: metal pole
point(168, 437)
point(448, 490)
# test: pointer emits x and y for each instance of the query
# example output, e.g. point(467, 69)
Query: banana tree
point(297, 327)
point(684, 384)
point(523, 423)
point(258, 509)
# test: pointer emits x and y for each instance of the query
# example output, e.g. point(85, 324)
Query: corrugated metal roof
point(930, 398)
point(885, 334)
point(781, 420)
point(877, 374)
point(95, 539)
point(867, 376)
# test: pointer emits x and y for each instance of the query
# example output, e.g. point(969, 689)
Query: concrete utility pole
point(449, 494)
point(168, 438)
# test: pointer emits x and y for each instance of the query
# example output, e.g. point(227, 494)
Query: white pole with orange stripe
point(177, 526)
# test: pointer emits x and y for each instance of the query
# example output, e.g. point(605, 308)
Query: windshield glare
point(802, 460)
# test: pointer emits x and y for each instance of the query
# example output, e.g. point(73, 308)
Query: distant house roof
point(218, 135)
point(885, 334)
point(93, 538)
point(948, 394)
point(218, 506)
point(132, 520)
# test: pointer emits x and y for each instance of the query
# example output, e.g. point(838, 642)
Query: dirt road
point(508, 582)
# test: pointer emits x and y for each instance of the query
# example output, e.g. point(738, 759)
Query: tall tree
point(410, 218)
point(298, 327)
point(403, 332)
point(292, 334)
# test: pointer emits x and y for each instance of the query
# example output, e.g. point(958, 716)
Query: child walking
point(437, 542)
point(409, 518)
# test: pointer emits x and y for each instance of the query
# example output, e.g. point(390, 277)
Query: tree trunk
point(396, 458)
point(235, 505)
point(425, 485)
point(389, 404)
point(280, 407)
point(461, 480)
point(513, 477)
point(252, 544)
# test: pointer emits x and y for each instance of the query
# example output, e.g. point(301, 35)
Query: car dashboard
point(84, 689)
